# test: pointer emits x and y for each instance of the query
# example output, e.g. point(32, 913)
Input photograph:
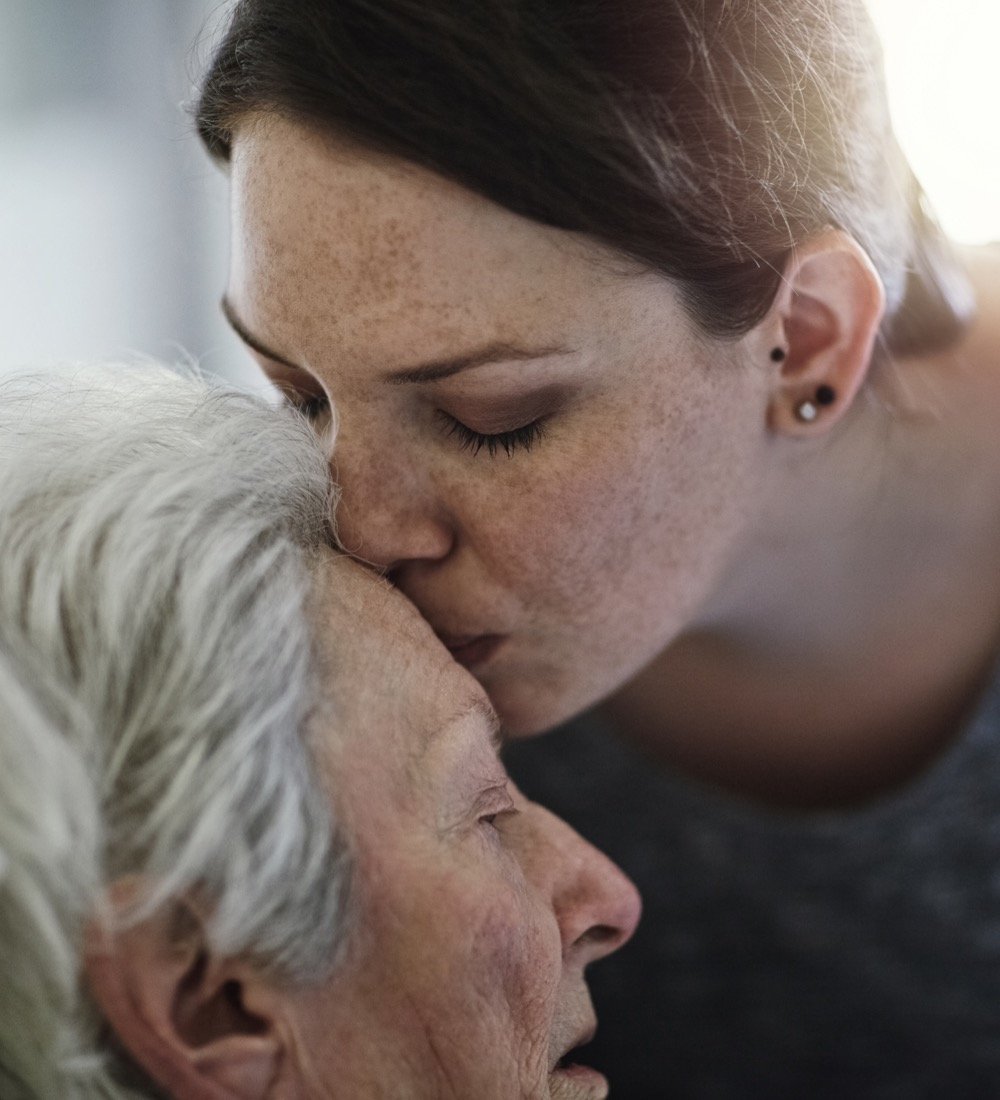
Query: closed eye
point(311, 405)
point(522, 438)
point(492, 821)
point(312, 408)
point(496, 804)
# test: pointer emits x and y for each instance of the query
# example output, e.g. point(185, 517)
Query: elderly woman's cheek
point(519, 954)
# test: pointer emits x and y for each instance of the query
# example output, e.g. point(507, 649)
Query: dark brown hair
point(702, 138)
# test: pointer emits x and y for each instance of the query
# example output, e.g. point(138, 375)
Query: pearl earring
point(807, 411)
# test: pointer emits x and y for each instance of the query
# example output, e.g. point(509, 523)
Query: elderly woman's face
point(553, 463)
point(477, 909)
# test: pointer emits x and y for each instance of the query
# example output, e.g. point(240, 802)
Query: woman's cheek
point(583, 472)
point(562, 524)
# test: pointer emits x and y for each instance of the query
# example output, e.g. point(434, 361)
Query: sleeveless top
point(847, 954)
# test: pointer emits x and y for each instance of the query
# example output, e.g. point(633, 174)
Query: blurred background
point(113, 225)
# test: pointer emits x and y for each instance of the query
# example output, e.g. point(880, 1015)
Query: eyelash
point(490, 820)
point(311, 407)
point(523, 438)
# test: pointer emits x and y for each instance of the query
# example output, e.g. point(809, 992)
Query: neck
point(860, 612)
point(874, 533)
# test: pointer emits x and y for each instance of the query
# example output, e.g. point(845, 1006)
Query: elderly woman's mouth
point(577, 1082)
point(571, 1080)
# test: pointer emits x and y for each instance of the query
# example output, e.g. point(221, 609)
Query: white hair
point(157, 677)
point(49, 841)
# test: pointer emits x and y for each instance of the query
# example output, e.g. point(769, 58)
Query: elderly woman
point(255, 839)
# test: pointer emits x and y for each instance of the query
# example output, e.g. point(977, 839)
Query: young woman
point(658, 387)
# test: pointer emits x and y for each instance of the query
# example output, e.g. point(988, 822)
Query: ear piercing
point(807, 411)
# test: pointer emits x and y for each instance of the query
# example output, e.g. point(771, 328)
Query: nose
point(596, 905)
point(387, 513)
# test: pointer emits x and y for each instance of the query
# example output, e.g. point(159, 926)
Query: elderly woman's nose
point(596, 904)
point(600, 911)
point(387, 514)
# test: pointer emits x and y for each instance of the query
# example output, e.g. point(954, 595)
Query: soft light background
point(113, 224)
point(943, 67)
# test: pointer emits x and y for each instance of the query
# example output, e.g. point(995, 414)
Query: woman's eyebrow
point(476, 708)
point(478, 357)
point(483, 710)
point(497, 352)
point(251, 341)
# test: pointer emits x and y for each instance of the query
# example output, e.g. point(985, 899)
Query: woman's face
point(548, 458)
point(477, 910)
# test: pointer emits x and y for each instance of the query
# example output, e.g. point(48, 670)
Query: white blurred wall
point(113, 230)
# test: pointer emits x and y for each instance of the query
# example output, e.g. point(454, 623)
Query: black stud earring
point(778, 354)
point(825, 395)
point(807, 411)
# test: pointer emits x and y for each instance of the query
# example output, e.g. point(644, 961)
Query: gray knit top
point(844, 955)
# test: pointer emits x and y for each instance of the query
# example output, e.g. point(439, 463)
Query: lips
point(570, 1081)
point(583, 1038)
point(472, 650)
point(577, 1083)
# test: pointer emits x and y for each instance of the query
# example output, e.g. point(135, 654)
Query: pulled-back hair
point(701, 138)
point(157, 677)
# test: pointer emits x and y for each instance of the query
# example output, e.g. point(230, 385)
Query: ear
point(825, 320)
point(179, 1012)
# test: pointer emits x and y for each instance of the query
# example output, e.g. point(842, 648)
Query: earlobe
point(178, 1012)
point(823, 326)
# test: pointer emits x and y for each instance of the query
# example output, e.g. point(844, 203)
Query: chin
point(527, 707)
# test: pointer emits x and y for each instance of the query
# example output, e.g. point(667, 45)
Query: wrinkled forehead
point(383, 671)
point(361, 621)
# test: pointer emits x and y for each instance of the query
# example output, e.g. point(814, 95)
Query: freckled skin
point(591, 552)
point(465, 976)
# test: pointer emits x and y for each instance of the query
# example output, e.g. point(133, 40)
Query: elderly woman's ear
point(197, 1024)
